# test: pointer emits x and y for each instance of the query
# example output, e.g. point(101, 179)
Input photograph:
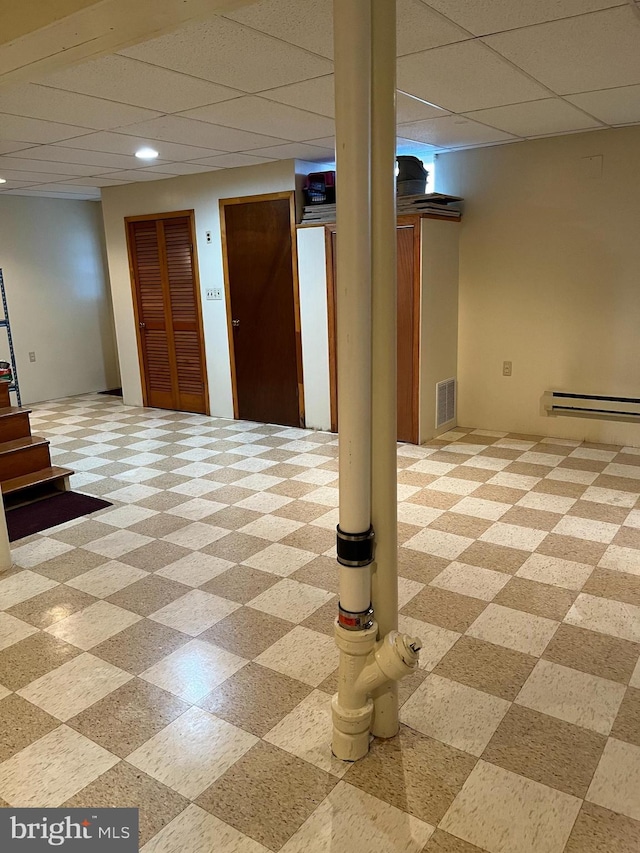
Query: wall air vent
point(592, 406)
point(445, 402)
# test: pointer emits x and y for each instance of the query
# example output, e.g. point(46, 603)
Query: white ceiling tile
point(417, 149)
point(258, 115)
point(179, 168)
point(24, 164)
point(13, 185)
point(413, 109)
point(11, 147)
point(452, 132)
point(535, 118)
point(119, 143)
point(31, 177)
point(119, 78)
point(67, 188)
point(324, 142)
point(493, 16)
point(13, 127)
point(134, 175)
point(225, 52)
point(299, 151)
point(220, 139)
point(614, 106)
point(101, 181)
point(35, 101)
point(420, 28)
point(230, 161)
point(466, 76)
point(58, 154)
point(314, 95)
point(582, 54)
point(308, 25)
point(55, 194)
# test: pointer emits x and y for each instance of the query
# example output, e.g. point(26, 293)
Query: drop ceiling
point(256, 85)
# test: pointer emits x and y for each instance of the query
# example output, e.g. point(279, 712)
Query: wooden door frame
point(249, 199)
point(145, 217)
point(329, 230)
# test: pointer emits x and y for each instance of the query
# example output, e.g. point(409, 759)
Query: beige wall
point(549, 279)
point(201, 193)
point(52, 257)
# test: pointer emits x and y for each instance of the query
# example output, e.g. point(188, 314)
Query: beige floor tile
point(243, 796)
point(547, 750)
point(13, 630)
point(583, 528)
point(361, 823)
point(621, 559)
point(117, 543)
point(599, 830)
point(414, 773)
point(306, 732)
point(24, 661)
point(442, 842)
point(93, 625)
point(21, 586)
point(446, 545)
point(52, 769)
point(195, 830)
point(485, 666)
point(479, 508)
point(547, 503)
point(69, 564)
point(52, 606)
point(279, 559)
point(577, 697)
point(107, 579)
point(514, 629)
point(21, 723)
point(535, 519)
point(600, 512)
point(495, 557)
point(302, 654)
point(240, 583)
point(148, 595)
point(140, 646)
point(255, 698)
point(310, 538)
point(124, 785)
point(193, 670)
point(502, 812)
point(598, 654)
point(192, 752)
point(271, 527)
point(551, 570)
point(453, 713)
point(194, 612)
point(155, 555)
point(125, 516)
point(72, 687)
point(246, 632)
point(608, 617)
point(290, 600)
point(540, 599)
point(616, 783)
point(513, 536)
point(196, 535)
point(436, 641)
point(31, 555)
point(446, 609)
point(571, 548)
point(471, 580)
point(195, 569)
point(129, 716)
point(413, 565)
point(323, 619)
point(321, 572)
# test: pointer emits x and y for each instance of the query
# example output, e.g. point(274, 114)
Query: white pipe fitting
point(365, 666)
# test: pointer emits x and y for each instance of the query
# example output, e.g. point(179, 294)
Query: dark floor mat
point(49, 512)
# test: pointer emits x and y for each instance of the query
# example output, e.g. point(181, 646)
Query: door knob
point(142, 325)
point(235, 323)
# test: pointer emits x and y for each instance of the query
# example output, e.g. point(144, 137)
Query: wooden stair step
point(44, 476)
point(23, 455)
point(9, 411)
point(14, 423)
point(24, 443)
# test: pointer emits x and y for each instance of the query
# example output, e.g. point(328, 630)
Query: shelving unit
point(5, 324)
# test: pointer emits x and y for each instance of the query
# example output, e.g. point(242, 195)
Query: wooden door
point(167, 309)
point(263, 308)
point(408, 328)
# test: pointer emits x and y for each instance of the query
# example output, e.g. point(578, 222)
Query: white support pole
point(352, 37)
point(5, 549)
point(384, 346)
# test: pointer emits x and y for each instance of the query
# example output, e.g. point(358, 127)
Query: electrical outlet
point(207, 235)
point(214, 293)
point(506, 368)
point(32, 357)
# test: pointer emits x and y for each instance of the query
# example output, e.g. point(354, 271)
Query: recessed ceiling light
point(146, 154)
point(3, 180)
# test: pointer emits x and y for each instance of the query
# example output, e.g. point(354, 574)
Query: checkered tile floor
point(152, 654)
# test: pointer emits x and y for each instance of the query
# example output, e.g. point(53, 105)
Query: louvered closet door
point(169, 330)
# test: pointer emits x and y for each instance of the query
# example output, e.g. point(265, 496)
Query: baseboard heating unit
point(591, 406)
